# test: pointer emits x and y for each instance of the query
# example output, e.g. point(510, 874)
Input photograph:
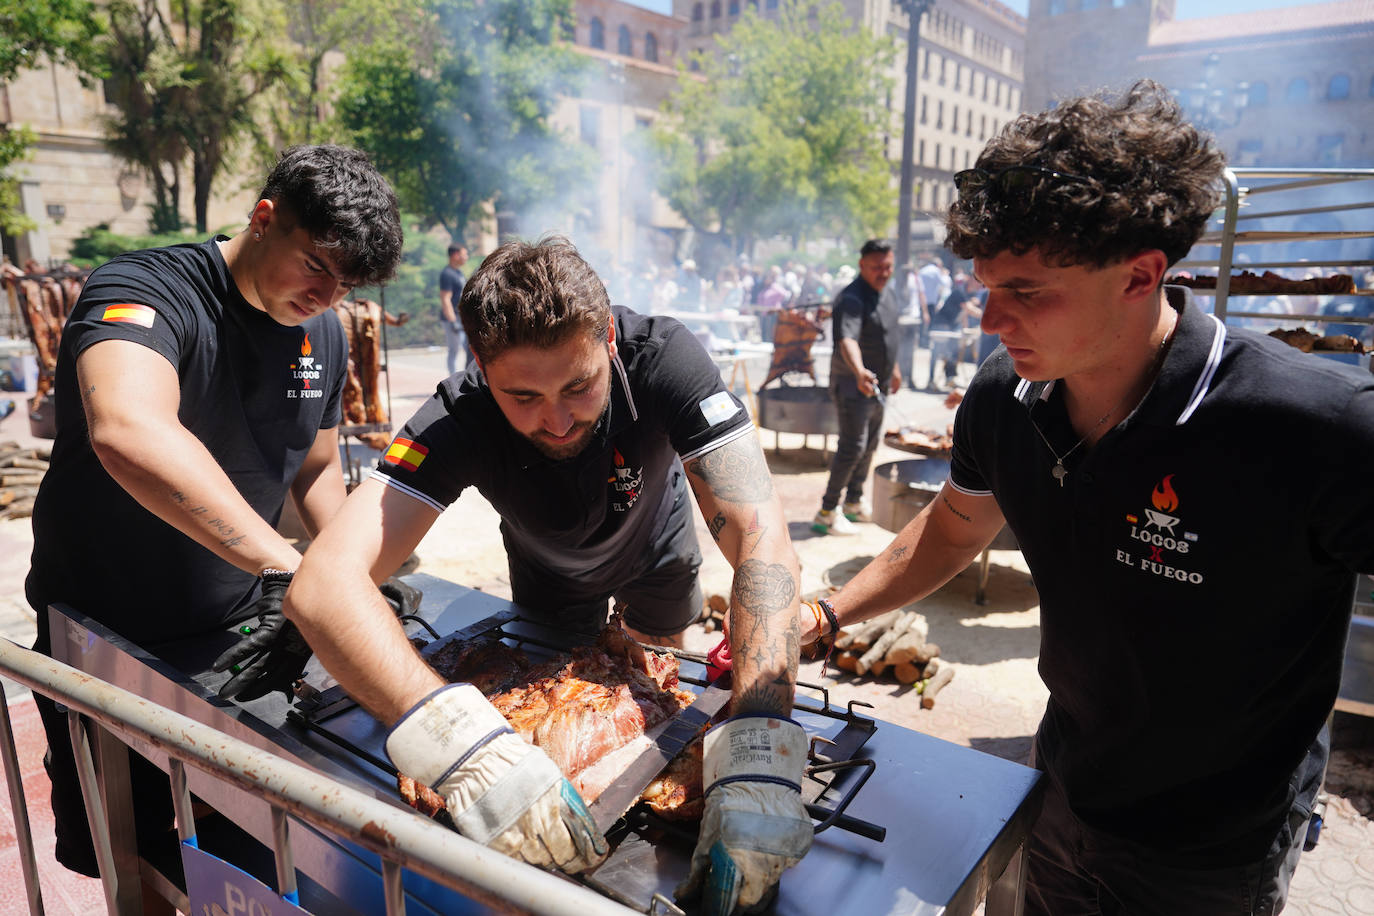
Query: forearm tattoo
point(951, 508)
point(735, 472)
point(715, 525)
point(762, 590)
point(222, 529)
point(897, 554)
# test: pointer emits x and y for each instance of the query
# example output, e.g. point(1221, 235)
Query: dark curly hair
point(535, 295)
point(339, 197)
point(1152, 181)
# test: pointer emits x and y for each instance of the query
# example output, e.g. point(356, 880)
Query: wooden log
point(906, 648)
point(935, 685)
point(907, 673)
point(20, 461)
point(861, 635)
point(15, 494)
point(20, 508)
point(872, 660)
point(846, 661)
point(20, 479)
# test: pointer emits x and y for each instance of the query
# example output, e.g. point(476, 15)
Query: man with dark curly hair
point(1194, 606)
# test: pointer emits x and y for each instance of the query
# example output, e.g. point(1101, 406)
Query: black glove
point(273, 654)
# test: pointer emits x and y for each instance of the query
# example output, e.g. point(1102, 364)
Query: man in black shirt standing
point(451, 282)
point(197, 387)
point(1115, 433)
point(863, 362)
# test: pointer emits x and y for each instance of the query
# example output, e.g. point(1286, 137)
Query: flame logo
point(305, 346)
point(1164, 497)
point(618, 458)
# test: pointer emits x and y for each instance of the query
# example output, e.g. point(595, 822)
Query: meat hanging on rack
point(362, 324)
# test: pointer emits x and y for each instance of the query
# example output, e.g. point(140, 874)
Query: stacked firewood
point(894, 645)
point(21, 470)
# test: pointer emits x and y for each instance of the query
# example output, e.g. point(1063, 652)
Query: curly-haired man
point(1115, 431)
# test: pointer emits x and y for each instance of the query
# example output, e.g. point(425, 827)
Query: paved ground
point(993, 704)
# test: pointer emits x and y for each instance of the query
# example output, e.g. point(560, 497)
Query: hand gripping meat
point(500, 790)
point(755, 825)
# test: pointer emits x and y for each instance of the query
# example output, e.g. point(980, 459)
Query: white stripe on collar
point(625, 381)
point(1204, 381)
point(1023, 388)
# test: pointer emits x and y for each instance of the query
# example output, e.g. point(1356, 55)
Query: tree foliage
point(462, 119)
point(188, 76)
point(782, 130)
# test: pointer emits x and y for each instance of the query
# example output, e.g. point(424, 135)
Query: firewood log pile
point(21, 470)
point(894, 646)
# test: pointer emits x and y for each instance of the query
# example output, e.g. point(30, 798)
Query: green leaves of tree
point(783, 130)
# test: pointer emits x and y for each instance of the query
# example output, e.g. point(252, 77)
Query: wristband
point(277, 575)
point(829, 612)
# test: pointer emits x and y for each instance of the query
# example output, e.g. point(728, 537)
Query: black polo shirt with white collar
point(1195, 571)
point(589, 522)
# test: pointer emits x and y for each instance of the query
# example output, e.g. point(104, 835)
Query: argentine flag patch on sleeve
point(718, 408)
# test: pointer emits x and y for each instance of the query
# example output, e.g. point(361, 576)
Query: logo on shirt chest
point(305, 375)
point(625, 483)
point(1157, 545)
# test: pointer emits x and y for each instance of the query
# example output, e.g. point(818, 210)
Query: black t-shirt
point(861, 313)
point(1196, 573)
point(451, 280)
point(948, 317)
point(255, 392)
point(587, 521)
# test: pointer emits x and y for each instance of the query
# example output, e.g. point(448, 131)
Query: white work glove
point(501, 790)
point(755, 825)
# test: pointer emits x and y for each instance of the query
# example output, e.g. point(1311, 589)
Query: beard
point(584, 432)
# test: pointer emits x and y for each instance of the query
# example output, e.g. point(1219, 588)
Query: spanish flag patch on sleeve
point(129, 313)
point(406, 454)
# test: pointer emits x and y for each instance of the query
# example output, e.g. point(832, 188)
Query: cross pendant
point(1059, 472)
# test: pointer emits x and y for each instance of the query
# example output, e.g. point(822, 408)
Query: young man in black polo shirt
point(197, 387)
point(583, 425)
point(1116, 432)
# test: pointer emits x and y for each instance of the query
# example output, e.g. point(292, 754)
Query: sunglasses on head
point(1012, 179)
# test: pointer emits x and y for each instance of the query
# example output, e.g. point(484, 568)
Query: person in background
point(936, 284)
point(451, 282)
point(198, 387)
point(772, 299)
point(914, 318)
point(947, 328)
point(689, 292)
point(585, 426)
point(1109, 433)
point(864, 325)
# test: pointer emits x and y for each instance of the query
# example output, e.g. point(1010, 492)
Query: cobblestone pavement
point(994, 702)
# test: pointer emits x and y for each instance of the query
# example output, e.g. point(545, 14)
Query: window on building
point(597, 38)
point(733, 8)
point(624, 44)
point(958, 77)
point(967, 157)
point(924, 100)
point(925, 65)
point(1329, 148)
point(997, 92)
point(1012, 98)
point(715, 9)
point(921, 152)
point(588, 118)
point(771, 4)
point(954, 119)
point(982, 127)
point(698, 12)
point(939, 115)
point(1297, 91)
point(1339, 87)
point(937, 155)
point(944, 66)
point(650, 48)
point(1257, 94)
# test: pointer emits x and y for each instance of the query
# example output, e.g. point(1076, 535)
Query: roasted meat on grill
point(579, 707)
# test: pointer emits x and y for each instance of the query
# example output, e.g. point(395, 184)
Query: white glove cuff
point(501, 803)
point(442, 731)
point(754, 749)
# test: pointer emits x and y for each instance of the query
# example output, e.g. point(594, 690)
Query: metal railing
point(403, 840)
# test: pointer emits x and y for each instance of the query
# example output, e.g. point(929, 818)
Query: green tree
point(465, 121)
point(32, 31)
point(189, 76)
point(782, 130)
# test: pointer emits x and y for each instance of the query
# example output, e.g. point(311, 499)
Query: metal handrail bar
point(22, 833)
point(399, 836)
point(1250, 265)
point(1302, 211)
point(1309, 178)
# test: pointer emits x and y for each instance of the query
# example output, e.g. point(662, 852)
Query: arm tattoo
point(715, 525)
point(760, 591)
point(951, 508)
point(897, 554)
point(735, 472)
point(221, 527)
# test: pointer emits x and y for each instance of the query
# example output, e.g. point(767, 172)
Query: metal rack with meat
point(1307, 216)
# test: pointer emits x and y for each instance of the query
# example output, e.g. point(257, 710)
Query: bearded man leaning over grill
point(583, 424)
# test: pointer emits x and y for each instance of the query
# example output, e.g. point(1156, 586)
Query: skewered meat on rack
point(579, 707)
